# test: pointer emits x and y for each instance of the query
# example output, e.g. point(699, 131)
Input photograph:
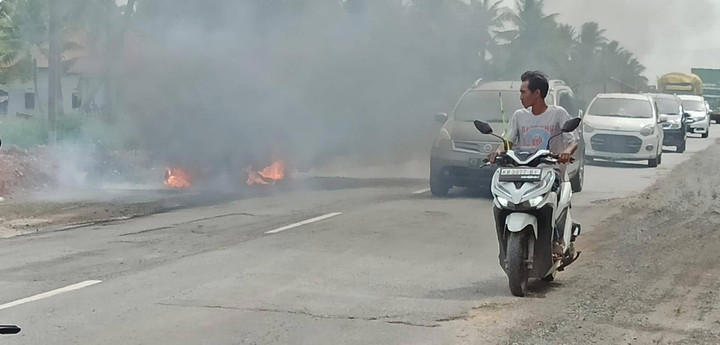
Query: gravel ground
point(649, 274)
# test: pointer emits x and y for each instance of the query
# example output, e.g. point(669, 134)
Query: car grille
point(616, 143)
point(474, 146)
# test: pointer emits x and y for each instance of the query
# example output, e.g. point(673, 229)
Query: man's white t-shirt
point(529, 132)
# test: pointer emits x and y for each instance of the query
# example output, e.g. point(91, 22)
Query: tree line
point(348, 64)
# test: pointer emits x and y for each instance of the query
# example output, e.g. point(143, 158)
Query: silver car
point(698, 110)
point(457, 154)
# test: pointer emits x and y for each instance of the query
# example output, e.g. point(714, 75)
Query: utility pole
point(53, 61)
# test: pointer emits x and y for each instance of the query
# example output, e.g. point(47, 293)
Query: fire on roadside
point(269, 175)
point(177, 178)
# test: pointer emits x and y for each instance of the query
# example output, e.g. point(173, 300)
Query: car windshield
point(668, 106)
point(621, 107)
point(693, 105)
point(485, 105)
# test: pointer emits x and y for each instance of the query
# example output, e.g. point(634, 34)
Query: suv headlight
point(443, 140)
point(648, 130)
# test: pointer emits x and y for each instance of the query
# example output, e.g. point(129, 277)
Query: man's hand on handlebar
point(564, 157)
point(491, 157)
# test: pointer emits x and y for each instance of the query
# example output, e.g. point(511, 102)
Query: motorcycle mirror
point(483, 127)
point(571, 125)
point(9, 329)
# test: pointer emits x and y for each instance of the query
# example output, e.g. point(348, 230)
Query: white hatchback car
point(698, 110)
point(623, 127)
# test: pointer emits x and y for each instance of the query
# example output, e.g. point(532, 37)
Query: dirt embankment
point(24, 170)
point(650, 274)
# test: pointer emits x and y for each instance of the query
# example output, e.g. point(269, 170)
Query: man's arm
point(565, 156)
point(571, 140)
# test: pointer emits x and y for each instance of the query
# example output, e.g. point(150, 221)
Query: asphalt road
point(385, 264)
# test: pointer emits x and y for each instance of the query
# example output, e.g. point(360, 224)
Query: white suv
point(623, 127)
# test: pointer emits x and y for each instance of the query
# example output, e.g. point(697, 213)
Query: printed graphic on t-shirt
point(535, 137)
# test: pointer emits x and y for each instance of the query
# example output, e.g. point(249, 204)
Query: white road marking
point(422, 191)
point(304, 222)
point(50, 293)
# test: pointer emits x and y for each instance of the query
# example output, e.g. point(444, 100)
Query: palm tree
point(526, 40)
point(591, 39)
point(485, 17)
point(529, 21)
point(23, 36)
point(586, 68)
point(621, 65)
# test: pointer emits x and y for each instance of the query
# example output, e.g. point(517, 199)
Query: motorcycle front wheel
point(516, 263)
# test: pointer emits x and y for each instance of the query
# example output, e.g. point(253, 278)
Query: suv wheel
point(439, 187)
point(681, 148)
point(576, 182)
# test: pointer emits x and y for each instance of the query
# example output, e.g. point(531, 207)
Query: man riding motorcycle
point(531, 128)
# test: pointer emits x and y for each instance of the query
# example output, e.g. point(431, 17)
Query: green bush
point(71, 128)
point(22, 132)
point(115, 136)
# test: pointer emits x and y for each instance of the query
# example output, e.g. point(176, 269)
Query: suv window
point(667, 106)
point(567, 101)
point(693, 105)
point(550, 98)
point(621, 107)
point(485, 105)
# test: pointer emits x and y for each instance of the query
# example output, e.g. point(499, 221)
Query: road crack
point(391, 319)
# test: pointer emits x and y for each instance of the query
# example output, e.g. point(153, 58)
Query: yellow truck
point(681, 84)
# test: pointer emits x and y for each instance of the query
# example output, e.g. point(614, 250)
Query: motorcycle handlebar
point(501, 158)
point(9, 329)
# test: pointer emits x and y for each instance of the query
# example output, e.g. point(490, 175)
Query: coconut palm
point(526, 42)
point(484, 16)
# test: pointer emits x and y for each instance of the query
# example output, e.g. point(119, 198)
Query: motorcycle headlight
point(536, 200)
point(588, 129)
point(647, 130)
point(503, 202)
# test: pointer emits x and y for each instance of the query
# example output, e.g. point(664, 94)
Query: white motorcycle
point(535, 231)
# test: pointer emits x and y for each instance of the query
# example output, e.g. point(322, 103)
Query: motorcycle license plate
point(520, 174)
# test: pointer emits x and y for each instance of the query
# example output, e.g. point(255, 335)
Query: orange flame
point(177, 178)
point(271, 174)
